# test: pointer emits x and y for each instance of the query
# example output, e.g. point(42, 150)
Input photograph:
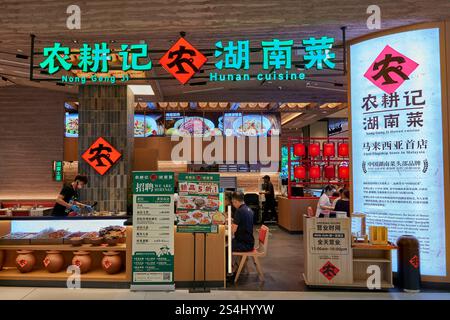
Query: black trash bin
point(408, 263)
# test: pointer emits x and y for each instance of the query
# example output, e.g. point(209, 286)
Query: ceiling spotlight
point(112, 41)
point(19, 50)
point(75, 41)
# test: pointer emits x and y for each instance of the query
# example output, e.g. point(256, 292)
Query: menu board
point(329, 258)
point(198, 207)
point(149, 125)
point(71, 125)
point(153, 234)
point(173, 121)
point(397, 144)
point(250, 125)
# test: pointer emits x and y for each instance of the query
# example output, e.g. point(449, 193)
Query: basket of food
point(17, 238)
point(50, 236)
point(113, 234)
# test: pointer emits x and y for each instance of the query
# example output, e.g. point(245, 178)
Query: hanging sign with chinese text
point(232, 60)
point(397, 155)
point(153, 231)
point(101, 156)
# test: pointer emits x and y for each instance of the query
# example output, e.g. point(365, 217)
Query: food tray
point(67, 238)
point(24, 238)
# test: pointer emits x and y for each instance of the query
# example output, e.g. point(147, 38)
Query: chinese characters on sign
point(198, 204)
point(101, 156)
point(153, 234)
point(183, 60)
point(397, 139)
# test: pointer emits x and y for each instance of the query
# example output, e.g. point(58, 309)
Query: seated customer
point(243, 240)
point(343, 204)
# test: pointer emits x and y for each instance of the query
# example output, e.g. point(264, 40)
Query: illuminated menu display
point(397, 147)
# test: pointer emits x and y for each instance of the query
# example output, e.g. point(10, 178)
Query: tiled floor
point(283, 268)
point(9, 293)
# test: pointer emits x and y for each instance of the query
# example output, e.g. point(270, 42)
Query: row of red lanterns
point(329, 172)
point(328, 149)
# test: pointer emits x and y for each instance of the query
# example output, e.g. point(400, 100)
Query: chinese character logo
point(183, 60)
point(414, 262)
point(329, 270)
point(101, 156)
point(390, 69)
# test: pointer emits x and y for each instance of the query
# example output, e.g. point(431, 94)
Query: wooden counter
point(184, 261)
point(291, 211)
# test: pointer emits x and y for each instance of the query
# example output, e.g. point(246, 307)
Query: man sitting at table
point(243, 240)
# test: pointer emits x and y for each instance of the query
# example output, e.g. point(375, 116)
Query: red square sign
point(329, 270)
point(390, 69)
point(183, 60)
point(101, 156)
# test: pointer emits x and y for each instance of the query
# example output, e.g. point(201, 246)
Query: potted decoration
point(25, 260)
point(83, 260)
point(53, 261)
point(111, 262)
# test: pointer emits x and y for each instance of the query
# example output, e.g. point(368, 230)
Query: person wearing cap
point(269, 204)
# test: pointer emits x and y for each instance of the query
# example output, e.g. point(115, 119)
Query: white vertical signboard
point(153, 231)
point(397, 151)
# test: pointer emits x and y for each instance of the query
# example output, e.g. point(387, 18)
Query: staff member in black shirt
point(67, 199)
point(269, 204)
point(243, 240)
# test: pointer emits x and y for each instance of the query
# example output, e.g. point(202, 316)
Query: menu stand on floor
point(194, 288)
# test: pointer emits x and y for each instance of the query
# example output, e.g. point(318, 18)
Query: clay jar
point(25, 260)
point(53, 261)
point(83, 260)
point(111, 262)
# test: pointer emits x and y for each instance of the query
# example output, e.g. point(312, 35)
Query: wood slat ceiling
point(159, 22)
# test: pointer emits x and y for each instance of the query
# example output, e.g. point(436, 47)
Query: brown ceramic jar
point(83, 260)
point(112, 262)
point(53, 261)
point(25, 260)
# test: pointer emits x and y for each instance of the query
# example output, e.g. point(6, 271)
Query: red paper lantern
point(314, 172)
point(314, 150)
point(343, 172)
point(343, 149)
point(328, 149)
point(299, 150)
point(330, 173)
point(299, 172)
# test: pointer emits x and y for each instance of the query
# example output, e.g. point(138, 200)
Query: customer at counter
point(343, 204)
point(338, 196)
point(67, 200)
point(269, 204)
point(324, 206)
point(228, 201)
point(242, 227)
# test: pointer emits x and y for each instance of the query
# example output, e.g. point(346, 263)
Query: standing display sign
point(397, 139)
point(198, 204)
point(153, 231)
point(329, 253)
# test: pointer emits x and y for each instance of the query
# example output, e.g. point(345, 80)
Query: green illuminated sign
point(58, 170)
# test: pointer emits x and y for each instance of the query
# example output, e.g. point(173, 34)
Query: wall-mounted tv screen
point(71, 125)
point(173, 121)
point(250, 124)
point(149, 125)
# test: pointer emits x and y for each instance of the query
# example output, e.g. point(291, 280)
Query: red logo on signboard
point(183, 60)
point(414, 262)
point(329, 270)
point(101, 156)
point(390, 69)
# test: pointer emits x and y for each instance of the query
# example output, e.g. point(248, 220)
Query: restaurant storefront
point(154, 215)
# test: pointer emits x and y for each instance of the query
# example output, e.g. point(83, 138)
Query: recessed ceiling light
point(142, 90)
point(75, 41)
point(112, 41)
point(19, 50)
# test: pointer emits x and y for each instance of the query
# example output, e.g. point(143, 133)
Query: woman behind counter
point(324, 206)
